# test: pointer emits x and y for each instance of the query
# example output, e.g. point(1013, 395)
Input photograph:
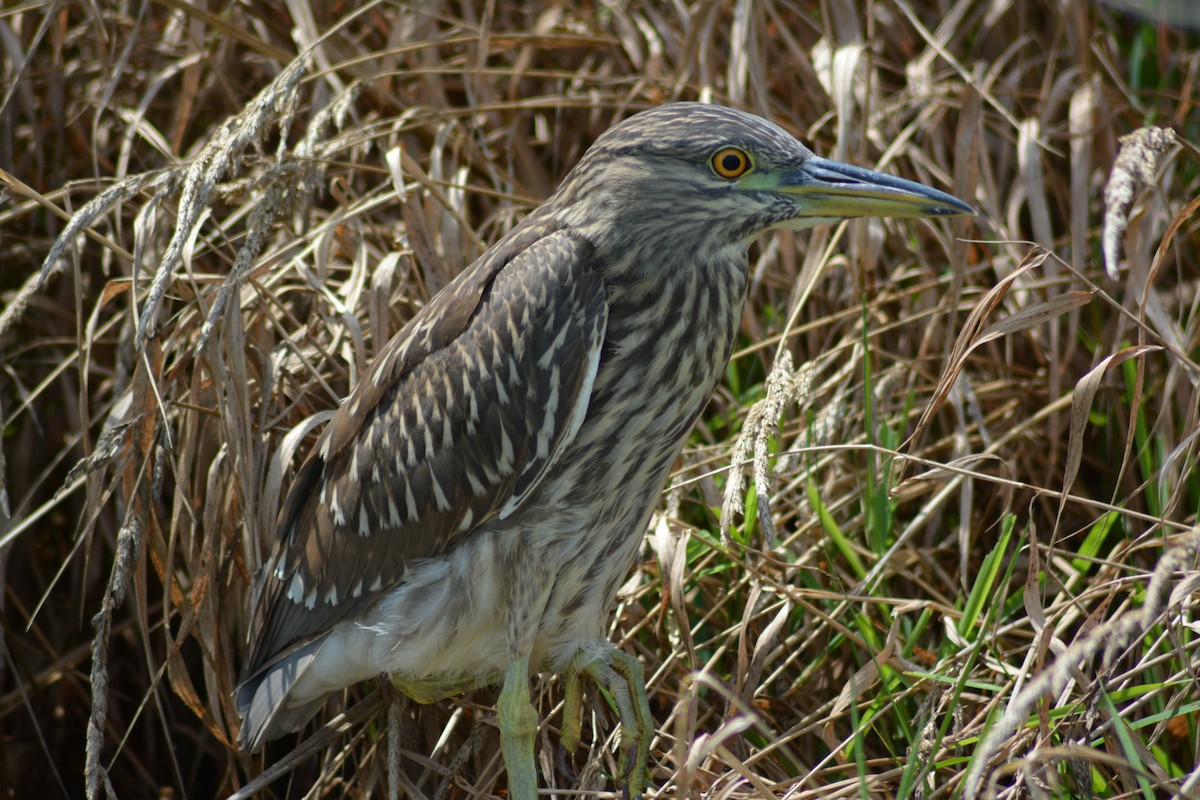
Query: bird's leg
point(624, 678)
point(518, 726)
point(572, 722)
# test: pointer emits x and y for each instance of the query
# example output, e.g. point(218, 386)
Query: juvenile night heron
point(467, 516)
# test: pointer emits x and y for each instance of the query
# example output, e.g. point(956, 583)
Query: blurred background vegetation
point(950, 455)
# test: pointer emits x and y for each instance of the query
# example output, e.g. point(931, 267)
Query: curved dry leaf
point(1160, 255)
point(1081, 404)
point(379, 298)
point(280, 459)
point(1029, 155)
point(764, 647)
point(967, 339)
point(1034, 315)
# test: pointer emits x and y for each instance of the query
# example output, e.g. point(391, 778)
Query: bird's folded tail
point(265, 699)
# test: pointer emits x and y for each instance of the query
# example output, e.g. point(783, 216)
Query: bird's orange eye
point(730, 162)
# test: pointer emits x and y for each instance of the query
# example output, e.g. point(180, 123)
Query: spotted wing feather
point(456, 422)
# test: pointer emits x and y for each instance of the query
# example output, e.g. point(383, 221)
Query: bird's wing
point(455, 423)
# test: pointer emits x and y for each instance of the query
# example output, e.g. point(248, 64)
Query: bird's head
point(704, 176)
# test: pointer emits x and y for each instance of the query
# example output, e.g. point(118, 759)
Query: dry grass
point(955, 501)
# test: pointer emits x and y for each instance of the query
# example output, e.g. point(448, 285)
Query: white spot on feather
point(476, 486)
point(410, 503)
point(472, 403)
point(510, 506)
point(506, 451)
point(422, 428)
point(438, 495)
point(555, 382)
point(295, 591)
point(555, 346)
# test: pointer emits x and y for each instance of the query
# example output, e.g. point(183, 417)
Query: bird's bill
point(833, 190)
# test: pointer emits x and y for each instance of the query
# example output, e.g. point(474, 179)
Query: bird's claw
point(563, 763)
point(624, 678)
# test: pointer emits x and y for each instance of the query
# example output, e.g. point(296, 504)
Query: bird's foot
point(624, 678)
point(431, 690)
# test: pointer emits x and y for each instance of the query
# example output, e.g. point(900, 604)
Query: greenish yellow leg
point(625, 680)
point(518, 726)
point(573, 703)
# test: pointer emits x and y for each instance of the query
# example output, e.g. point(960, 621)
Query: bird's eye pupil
point(730, 163)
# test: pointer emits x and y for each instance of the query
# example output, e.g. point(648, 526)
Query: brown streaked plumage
point(471, 509)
